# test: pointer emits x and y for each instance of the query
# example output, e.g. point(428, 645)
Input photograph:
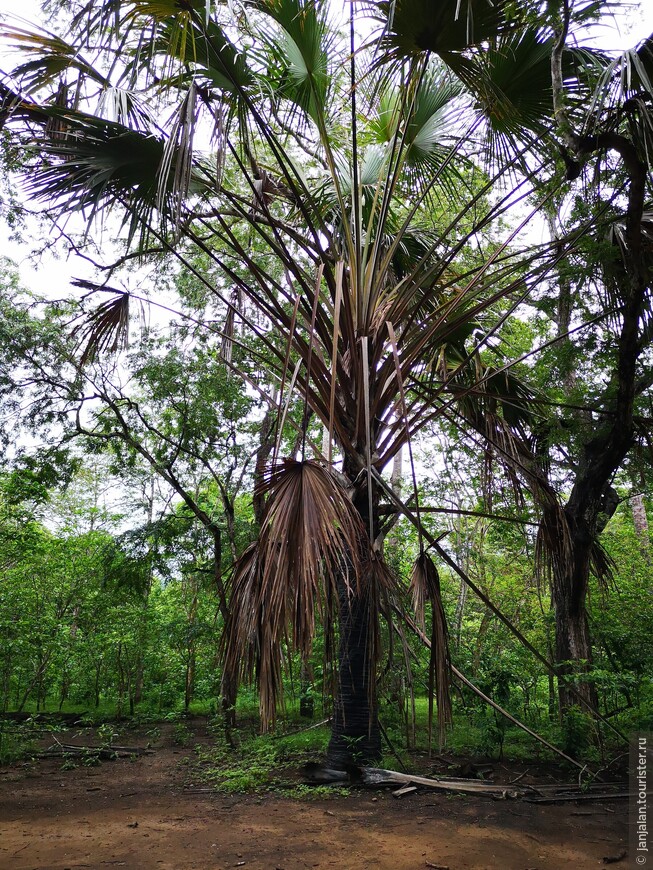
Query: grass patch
point(262, 763)
point(18, 740)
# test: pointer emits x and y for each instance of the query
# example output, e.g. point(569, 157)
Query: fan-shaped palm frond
point(300, 54)
point(125, 107)
point(449, 28)
point(53, 58)
point(428, 130)
point(98, 164)
point(512, 86)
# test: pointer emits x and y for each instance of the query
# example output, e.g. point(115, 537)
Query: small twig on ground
point(407, 789)
point(521, 775)
point(306, 728)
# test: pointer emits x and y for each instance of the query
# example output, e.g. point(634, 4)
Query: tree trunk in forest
point(640, 521)
point(573, 653)
point(228, 686)
point(139, 679)
point(306, 699)
point(37, 681)
point(6, 684)
point(142, 627)
point(396, 482)
point(228, 697)
point(189, 686)
point(266, 445)
point(121, 683)
point(606, 443)
point(460, 612)
point(355, 731)
point(571, 574)
point(96, 685)
point(480, 640)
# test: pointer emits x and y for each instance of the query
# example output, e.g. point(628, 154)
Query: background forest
point(356, 363)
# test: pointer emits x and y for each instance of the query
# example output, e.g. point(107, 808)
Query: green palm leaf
point(99, 164)
point(300, 53)
point(53, 58)
point(448, 28)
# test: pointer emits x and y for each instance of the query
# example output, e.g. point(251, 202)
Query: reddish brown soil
point(144, 814)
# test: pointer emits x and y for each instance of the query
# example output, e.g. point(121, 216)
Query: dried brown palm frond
point(380, 587)
point(241, 659)
point(602, 565)
point(106, 329)
point(229, 329)
point(175, 171)
point(553, 545)
point(404, 693)
point(311, 542)
point(554, 551)
point(425, 587)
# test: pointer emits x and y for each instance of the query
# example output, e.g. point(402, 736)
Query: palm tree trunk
point(355, 731)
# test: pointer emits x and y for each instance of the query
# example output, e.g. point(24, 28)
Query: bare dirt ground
point(145, 814)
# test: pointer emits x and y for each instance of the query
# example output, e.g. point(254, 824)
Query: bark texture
point(355, 732)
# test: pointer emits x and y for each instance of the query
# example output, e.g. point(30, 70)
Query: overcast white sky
point(637, 23)
point(53, 276)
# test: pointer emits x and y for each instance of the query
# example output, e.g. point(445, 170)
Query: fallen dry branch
point(59, 750)
point(380, 776)
point(404, 790)
point(377, 776)
point(45, 717)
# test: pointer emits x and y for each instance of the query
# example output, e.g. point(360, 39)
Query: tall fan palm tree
point(342, 199)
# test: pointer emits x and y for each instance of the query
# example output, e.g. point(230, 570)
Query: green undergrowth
point(482, 733)
point(19, 739)
point(261, 762)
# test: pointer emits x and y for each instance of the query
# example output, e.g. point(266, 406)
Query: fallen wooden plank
point(619, 785)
